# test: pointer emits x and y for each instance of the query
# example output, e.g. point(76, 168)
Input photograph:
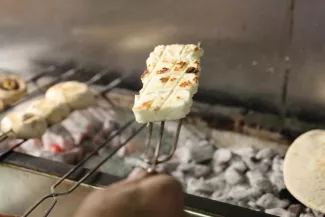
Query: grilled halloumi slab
point(75, 94)
point(23, 125)
point(169, 83)
point(53, 111)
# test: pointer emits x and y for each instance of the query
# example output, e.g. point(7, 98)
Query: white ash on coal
point(194, 152)
point(224, 166)
point(243, 176)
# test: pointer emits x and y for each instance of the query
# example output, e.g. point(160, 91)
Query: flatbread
point(304, 169)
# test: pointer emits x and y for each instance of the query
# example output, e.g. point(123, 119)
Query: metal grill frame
point(63, 77)
point(193, 203)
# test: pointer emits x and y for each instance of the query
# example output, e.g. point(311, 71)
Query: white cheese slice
point(169, 83)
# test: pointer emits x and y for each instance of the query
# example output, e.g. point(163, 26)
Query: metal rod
point(84, 177)
point(148, 160)
point(109, 139)
point(62, 77)
point(157, 149)
point(33, 93)
point(49, 210)
point(148, 140)
point(37, 76)
point(94, 79)
point(113, 84)
point(97, 77)
point(107, 88)
point(102, 162)
point(38, 203)
point(3, 137)
point(8, 151)
point(174, 146)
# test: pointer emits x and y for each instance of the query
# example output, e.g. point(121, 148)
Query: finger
point(6, 215)
point(137, 174)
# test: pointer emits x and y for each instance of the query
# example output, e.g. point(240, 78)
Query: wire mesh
point(53, 194)
point(62, 77)
point(41, 89)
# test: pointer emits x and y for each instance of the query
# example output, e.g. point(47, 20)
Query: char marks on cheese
point(169, 83)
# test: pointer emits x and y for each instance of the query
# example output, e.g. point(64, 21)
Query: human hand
point(6, 215)
point(140, 195)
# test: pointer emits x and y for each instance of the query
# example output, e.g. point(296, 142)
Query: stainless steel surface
point(20, 188)
point(121, 33)
point(243, 43)
point(256, 42)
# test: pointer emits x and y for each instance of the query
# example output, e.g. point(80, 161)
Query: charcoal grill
point(262, 66)
point(61, 181)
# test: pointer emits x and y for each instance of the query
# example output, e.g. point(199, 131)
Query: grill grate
point(41, 89)
point(66, 75)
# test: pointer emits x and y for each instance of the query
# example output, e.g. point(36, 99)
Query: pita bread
point(304, 169)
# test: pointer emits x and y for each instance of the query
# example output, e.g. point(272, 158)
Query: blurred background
point(257, 52)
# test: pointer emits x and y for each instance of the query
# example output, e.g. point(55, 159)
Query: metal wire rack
point(66, 75)
point(41, 89)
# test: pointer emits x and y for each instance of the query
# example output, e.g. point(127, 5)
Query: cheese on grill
point(169, 83)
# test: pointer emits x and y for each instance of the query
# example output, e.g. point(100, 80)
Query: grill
point(241, 120)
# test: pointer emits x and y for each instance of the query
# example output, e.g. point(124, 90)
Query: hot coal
point(246, 176)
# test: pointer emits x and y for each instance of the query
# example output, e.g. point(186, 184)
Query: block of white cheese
point(23, 125)
point(53, 111)
point(75, 94)
point(169, 83)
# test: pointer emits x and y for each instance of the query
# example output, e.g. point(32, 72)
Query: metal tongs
point(156, 159)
